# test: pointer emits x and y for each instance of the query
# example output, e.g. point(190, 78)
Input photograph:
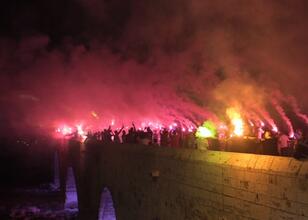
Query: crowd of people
point(271, 143)
point(175, 137)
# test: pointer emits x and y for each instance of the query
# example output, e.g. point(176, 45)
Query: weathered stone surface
point(194, 184)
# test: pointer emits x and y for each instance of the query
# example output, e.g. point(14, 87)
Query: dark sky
point(152, 60)
point(68, 18)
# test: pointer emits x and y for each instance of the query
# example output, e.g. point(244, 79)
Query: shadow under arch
point(106, 208)
point(71, 199)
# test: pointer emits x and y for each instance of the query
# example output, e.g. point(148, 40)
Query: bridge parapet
point(167, 183)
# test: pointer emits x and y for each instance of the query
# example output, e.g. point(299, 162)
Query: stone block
point(261, 188)
point(276, 214)
point(252, 162)
point(264, 163)
point(239, 161)
point(285, 166)
point(239, 193)
point(217, 157)
point(303, 173)
point(257, 211)
point(262, 178)
point(302, 190)
point(278, 203)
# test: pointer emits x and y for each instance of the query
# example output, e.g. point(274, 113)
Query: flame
point(64, 130)
point(236, 121)
point(204, 132)
point(208, 129)
point(81, 132)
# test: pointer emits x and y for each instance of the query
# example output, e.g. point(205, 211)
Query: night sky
point(150, 60)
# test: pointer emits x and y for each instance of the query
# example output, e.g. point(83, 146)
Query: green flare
point(207, 130)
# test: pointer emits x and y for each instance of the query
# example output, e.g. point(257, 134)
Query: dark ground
point(26, 174)
point(39, 203)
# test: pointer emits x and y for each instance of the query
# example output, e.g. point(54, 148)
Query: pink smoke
point(154, 62)
point(268, 119)
point(283, 115)
point(297, 110)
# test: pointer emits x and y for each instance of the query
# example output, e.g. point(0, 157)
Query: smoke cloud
point(160, 61)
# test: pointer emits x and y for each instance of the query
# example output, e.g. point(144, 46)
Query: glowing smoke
point(161, 62)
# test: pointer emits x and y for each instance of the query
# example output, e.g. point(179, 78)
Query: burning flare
point(207, 130)
point(236, 121)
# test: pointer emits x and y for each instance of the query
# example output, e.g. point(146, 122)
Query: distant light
point(275, 129)
point(94, 114)
point(251, 124)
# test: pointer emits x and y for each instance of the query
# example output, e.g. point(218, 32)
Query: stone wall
point(166, 183)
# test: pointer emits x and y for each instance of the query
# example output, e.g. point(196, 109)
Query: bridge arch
point(106, 206)
point(71, 198)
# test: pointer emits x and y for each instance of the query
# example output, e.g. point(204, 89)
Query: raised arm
point(134, 126)
point(121, 128)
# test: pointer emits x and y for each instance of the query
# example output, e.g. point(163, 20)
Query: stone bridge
point(132, 182)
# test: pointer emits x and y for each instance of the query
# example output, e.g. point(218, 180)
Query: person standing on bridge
point(164, 137)
point(116, 135)
point(301, 149)
point(124, 137)
point(283, 145)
